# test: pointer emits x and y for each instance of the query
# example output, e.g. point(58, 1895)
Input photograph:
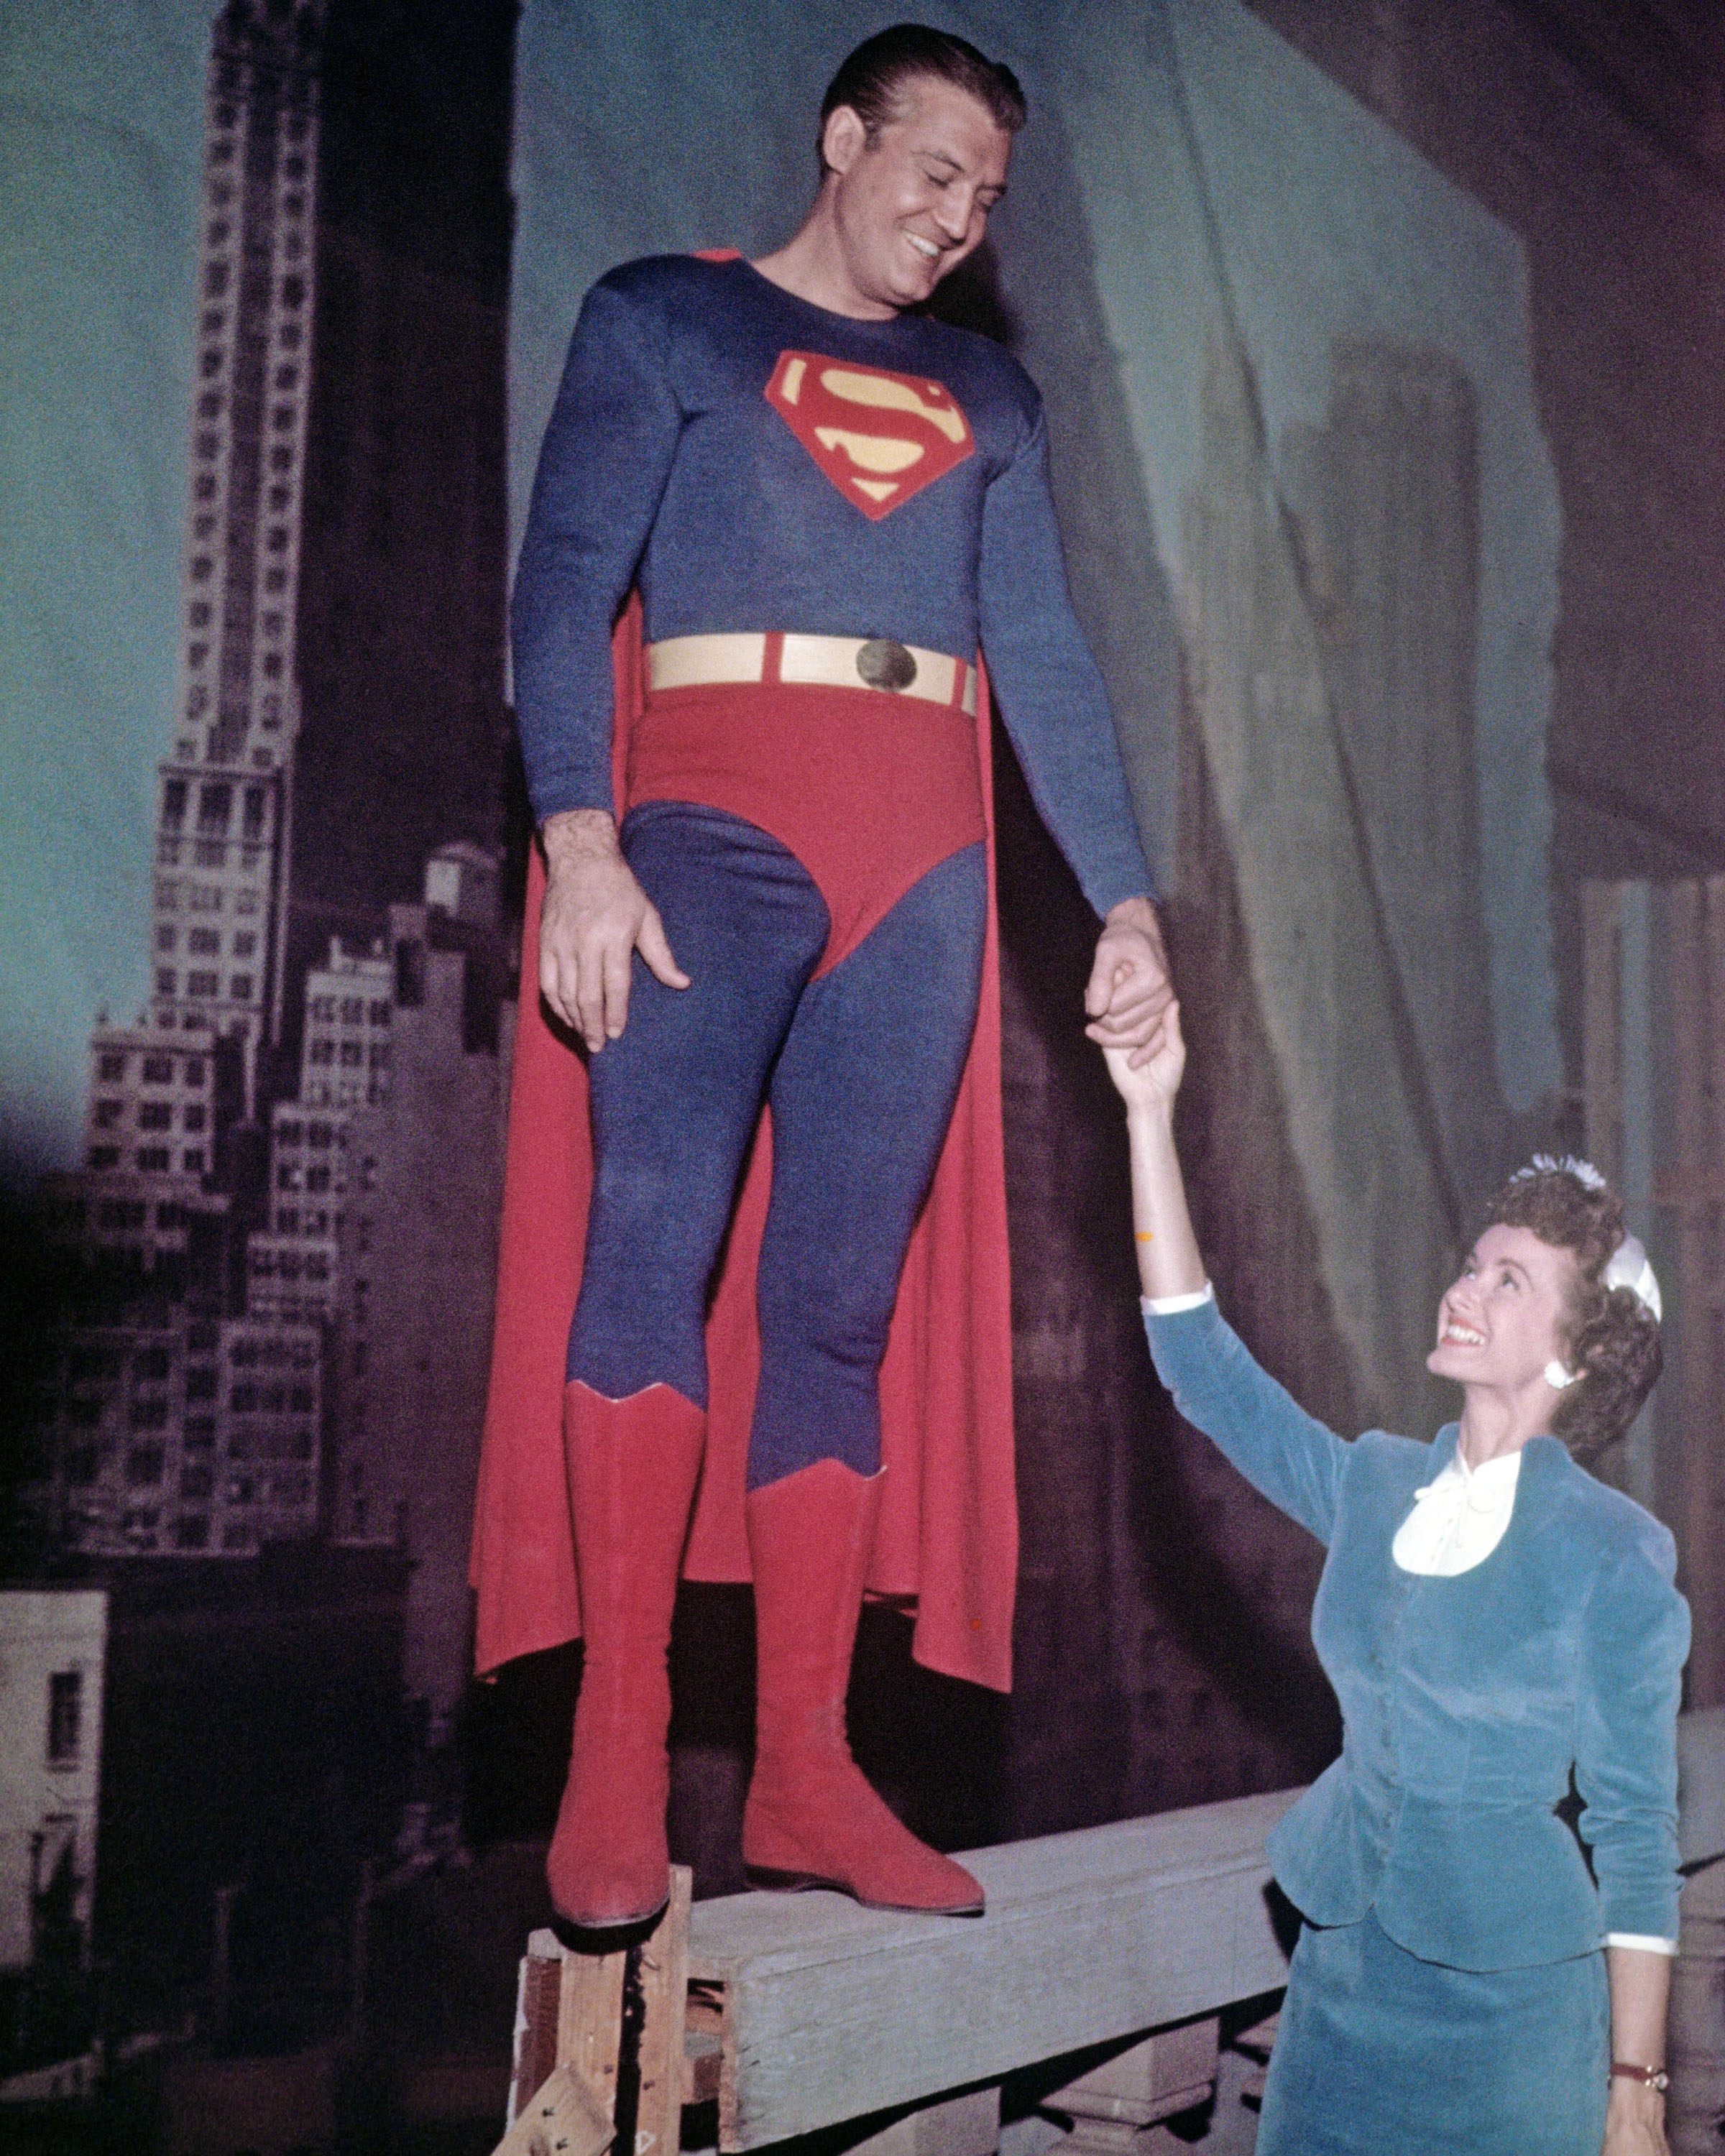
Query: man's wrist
point(574, 836)
point(1136, 912)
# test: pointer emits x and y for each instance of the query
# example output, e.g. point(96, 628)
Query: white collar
point(1459, 1518)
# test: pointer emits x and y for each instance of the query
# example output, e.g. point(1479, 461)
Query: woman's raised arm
point(1169, 1262)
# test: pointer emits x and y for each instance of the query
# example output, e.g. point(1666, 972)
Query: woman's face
point(1503, 1322)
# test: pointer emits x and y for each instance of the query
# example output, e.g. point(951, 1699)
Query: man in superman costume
point(825, 502)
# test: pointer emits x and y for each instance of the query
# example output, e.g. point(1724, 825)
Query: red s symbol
point(879, 437)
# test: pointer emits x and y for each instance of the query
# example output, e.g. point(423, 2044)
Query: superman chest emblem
point(879, 437)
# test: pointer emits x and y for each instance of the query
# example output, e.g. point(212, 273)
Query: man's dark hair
point(869, 79)
point(1613, 1336)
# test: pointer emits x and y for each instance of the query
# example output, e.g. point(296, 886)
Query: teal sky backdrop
point(101, 114)
point(648, 127)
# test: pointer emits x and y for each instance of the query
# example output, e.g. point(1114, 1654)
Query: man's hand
point(594, 918)
point(1129, 990)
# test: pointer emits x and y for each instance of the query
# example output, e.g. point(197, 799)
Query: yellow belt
point(832, 662)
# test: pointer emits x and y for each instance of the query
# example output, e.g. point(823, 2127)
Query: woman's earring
point(1556, 1376)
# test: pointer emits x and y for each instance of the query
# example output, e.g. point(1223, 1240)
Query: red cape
point(948, 1532)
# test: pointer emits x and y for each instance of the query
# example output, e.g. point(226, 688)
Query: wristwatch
point(1653, 2078)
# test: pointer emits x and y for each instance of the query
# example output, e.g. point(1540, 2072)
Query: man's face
point(911, 205)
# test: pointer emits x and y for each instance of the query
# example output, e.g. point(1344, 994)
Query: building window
point(111, 1066)
point(155, 1114)
point(191, 1161)
point(143, 1466)
point(205, 942)
point(353, 1054)
point(165, 940)
point(107, 1113)
point(200, 984)
point(152, 1160)
point(192, 1531)
point(240, 987)
point(215, 807)
point(104, 1156)
point(321, 1050)
point(158, 1069)
point(66, 1716)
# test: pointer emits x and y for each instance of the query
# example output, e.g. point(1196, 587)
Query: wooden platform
point(805, 2010)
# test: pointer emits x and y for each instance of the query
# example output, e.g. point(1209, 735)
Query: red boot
point(633, 1465)
point(811, 1818)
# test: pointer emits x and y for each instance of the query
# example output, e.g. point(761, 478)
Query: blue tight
point(862, 1067)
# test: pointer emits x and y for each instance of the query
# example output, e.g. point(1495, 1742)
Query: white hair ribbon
point(1630, 1266)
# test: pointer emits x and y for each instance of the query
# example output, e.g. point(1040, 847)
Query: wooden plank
point(664, 1964)
point(536, 2022)
point(832, 2011)
point(590, 2022)
point(564, 2118)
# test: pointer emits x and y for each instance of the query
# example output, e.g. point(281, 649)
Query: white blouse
point(1459, 1518)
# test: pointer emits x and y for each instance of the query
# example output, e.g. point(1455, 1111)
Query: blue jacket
point(1466, 1701)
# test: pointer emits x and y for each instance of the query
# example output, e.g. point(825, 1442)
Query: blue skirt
point(1379, 2053)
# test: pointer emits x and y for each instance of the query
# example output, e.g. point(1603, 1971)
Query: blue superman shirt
point(894, 485)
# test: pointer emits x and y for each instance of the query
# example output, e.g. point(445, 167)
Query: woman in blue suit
point(1491, 1617)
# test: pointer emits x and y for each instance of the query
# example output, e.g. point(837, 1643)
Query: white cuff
point(1641, 1942)
point(1171, 1306)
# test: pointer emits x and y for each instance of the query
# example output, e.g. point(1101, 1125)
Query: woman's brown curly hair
point(1612, 1338)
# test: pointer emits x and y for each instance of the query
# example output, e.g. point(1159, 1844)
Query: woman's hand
point(1635, 2122)
point(1153, 1083)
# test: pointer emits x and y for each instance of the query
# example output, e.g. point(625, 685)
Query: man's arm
point(602, 471)
point(1055, 708)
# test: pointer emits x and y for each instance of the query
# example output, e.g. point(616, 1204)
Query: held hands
point(1129, 990)
point(594, 918)
point(1149, 1086)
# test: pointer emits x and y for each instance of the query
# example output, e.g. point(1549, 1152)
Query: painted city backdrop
point(1328, 450)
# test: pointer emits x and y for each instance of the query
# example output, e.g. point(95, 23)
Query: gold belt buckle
point(884, 664)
